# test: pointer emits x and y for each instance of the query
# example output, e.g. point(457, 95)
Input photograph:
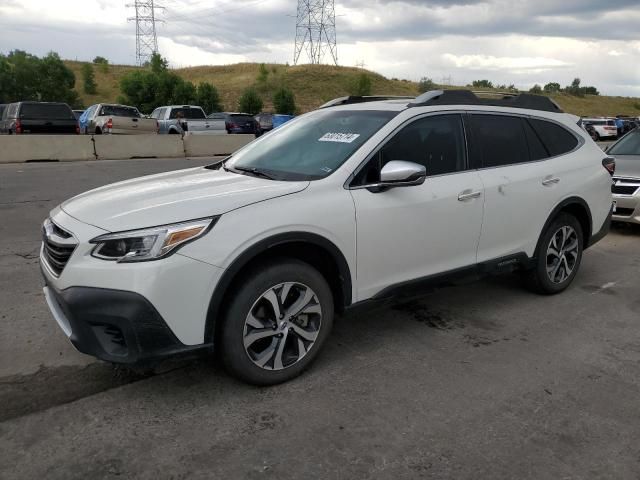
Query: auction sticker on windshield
point(339, 137)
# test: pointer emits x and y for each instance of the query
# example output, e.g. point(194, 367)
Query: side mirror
point(398, 173)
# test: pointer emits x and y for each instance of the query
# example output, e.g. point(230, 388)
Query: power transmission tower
point(316, 31)
point(146, 39)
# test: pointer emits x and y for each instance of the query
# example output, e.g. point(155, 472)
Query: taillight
point(18, 126)
point(110, 124)
point(609, 164)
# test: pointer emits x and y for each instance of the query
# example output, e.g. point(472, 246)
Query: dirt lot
point(483, 380)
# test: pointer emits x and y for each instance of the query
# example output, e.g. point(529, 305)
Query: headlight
point(149, 243)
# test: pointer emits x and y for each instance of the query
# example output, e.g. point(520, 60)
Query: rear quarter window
point(558, 140)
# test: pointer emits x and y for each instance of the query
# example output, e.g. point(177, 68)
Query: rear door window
point(557, 139)
point(119, 111)
point(46, 110)
point(628, 145)
point(498, 140)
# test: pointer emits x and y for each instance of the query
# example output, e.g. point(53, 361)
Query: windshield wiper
point(252, 170)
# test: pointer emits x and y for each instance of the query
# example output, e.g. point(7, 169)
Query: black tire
point(597, 137)
point(251, 288)
point(98, 132)
point(539, 279)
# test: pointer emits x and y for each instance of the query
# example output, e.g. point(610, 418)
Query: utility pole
point(316, 31)
point(146, 39)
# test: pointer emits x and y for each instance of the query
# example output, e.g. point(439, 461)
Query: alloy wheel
point(562, 254)
point(282, 326)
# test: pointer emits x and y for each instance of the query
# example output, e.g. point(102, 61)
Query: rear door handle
point(468, 195)
point(548, 181)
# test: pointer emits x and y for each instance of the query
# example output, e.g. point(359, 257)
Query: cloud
point(508, 41)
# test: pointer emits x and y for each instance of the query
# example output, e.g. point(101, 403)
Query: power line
point(316, 31)
point(146, 38)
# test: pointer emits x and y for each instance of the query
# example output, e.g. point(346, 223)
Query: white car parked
point(353, 203)
point(604, 127)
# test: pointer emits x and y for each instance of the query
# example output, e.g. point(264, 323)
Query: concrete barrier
point(117, 147)
point(24, 148)
point(208, 145)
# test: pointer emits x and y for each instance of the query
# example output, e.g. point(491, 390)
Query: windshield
point(628, 145)
point(312, 146)
point(119, 111)
point(46, 110)
point(188, 113)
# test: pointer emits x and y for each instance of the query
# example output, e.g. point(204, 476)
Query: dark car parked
point(238, 122)
point(38, 117)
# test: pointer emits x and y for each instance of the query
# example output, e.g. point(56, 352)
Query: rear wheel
point(276, 323)
point(558, 256)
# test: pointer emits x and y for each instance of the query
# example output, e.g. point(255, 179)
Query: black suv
point(38, 117)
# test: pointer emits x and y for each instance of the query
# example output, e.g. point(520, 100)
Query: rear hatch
point(239, 121)
point(47, 118)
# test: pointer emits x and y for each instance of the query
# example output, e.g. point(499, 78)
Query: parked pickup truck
point(38, 117)
point(187, 119)
point(104, 118)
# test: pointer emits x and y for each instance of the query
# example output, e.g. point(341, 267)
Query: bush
point(426, 84)
point(250, 102)
point(208, 98)
point(102, 63)
point(284, 101)
point(536, 89)
point(362, 85)
point(482, 84)
point(89, 79)
point(263, 73)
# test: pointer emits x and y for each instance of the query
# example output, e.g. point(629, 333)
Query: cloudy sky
point(507, 41)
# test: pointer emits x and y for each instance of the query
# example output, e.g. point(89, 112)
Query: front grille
point(624, 212)
point(624, 189)
point(58, 245)
point(625, 186)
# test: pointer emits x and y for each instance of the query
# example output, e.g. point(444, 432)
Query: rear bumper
point(114, 325)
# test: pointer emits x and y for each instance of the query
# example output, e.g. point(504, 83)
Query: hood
point(172, 197)
point(627, 166)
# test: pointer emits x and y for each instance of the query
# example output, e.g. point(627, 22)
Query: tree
point(56, 81)
point(208, 98)
point(551, 87)
point(250, 102)
point(6, 80)
point(184, 93)
point(426, 84)
point(284, 101)
point(89, 79)
point(574, 88)
point(482, 84)
point(591, 91)
point(536, 89)
point(362, 85)
point(158, 63)
point(101, 60)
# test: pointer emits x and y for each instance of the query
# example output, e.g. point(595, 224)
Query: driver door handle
point(468, 195)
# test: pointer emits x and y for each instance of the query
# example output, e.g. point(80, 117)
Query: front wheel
point(558, 256)
point(276, 323)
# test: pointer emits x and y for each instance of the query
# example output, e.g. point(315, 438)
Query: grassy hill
point(315, 84)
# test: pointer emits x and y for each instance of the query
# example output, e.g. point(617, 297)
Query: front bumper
point(627, 208)
point(114, 325)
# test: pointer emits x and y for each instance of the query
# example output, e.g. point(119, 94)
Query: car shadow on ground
point(354, 335)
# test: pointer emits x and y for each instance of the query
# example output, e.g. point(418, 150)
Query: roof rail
point(467, 97)
point(362, 99)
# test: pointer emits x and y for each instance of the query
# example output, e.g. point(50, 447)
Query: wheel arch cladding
point(310, 248)
point(579, 209)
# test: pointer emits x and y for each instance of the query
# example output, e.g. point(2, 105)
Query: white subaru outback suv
point(356, 202)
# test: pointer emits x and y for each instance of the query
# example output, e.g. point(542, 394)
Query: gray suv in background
point(626, 181)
